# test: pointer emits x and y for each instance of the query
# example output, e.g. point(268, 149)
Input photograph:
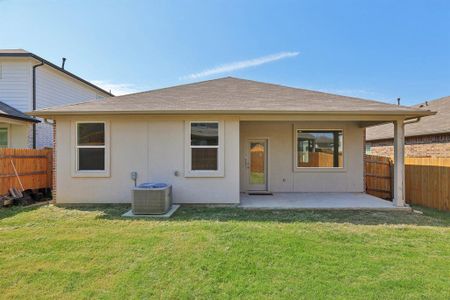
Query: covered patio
point(313, 164)
point(325, 201)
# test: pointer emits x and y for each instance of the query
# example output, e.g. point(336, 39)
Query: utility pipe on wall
point(34, 100)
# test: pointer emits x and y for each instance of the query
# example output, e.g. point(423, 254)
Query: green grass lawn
point(52, 252)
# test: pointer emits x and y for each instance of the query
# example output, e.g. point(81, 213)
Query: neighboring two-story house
point(428, 138)
point(29, 82)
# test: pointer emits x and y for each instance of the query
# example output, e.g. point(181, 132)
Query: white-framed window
point(4, 137)
point(204, 149)
point(91, 148)
point(322, 148)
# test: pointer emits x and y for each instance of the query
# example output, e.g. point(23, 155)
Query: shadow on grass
point(7, 212)
point(430, 217)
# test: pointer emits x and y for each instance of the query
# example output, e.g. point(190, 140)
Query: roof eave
point(406, 114)
point(30, 119)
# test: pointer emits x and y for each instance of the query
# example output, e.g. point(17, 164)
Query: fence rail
point(427, 180)
point(25, 169)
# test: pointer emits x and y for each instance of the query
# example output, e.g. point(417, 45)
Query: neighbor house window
point(91, 147)
point(204, 148)
point(319, 149)
point(3, 137)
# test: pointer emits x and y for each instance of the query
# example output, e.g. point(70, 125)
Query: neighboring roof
point(24, 53)
point(437, 124)
point(10, 112)
point(231, 95)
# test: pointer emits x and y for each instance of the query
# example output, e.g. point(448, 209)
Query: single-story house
point(428, 138)
point(217, 139)
point(14, 126)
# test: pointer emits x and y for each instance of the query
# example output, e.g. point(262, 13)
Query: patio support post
point(399, 163)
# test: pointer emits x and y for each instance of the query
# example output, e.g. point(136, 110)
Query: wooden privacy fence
point(25, 169)
point(427, 180)
point(378, 176)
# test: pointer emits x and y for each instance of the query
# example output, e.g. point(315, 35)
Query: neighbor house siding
point(15, 83)
point(17, 134)
point(54, 88)
point(283, 177)
point(419, 146)
point(16, 91)
point(154, 148)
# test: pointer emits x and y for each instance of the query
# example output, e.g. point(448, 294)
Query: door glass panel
point(257, 163)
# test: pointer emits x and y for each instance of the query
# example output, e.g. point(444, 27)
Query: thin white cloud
point(239, 65)
point(116, 88)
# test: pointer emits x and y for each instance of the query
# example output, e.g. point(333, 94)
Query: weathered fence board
point(25, 168)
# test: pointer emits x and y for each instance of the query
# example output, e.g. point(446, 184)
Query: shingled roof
point(232, 95)
point(10, 112)
point(437, 124)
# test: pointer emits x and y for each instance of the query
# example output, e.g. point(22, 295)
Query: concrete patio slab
point(167, 215)
point(341, 201)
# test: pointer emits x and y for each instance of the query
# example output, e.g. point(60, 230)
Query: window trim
point(188, 172)
point(75, 153)
point(318, 169)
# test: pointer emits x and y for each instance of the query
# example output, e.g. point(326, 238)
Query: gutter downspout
point(34, 100)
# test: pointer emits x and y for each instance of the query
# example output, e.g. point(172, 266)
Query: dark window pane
point(204, 134)
point(204, 159)
point(91, 159)
point(319, 149)
point(90, 134)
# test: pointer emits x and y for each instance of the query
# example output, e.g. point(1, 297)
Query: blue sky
point(371, 49)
